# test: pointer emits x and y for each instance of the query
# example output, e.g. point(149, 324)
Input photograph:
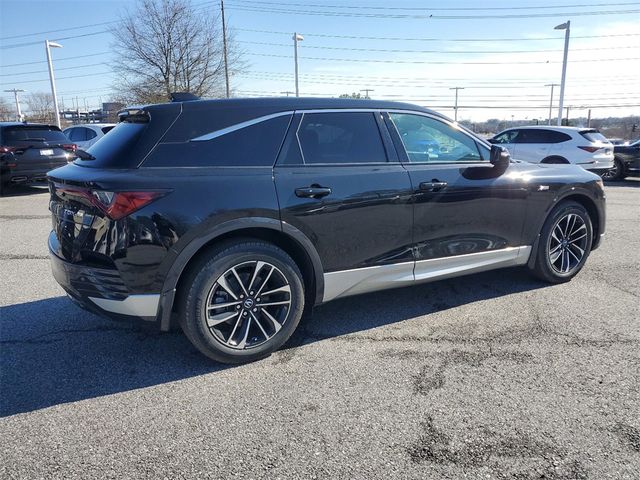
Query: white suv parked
point(87, 134)
point(544, 144)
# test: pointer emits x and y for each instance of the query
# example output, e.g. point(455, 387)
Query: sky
point(407, 50)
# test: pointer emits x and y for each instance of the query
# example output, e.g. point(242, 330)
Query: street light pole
point(455, 108)
point(551, 100)
point(296, 38)
point(566, 27)
point(48, 46)
point(366, 92)
point(15, 92)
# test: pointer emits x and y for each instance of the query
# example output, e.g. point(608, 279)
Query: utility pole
point(455, 108)
point(366, 92)
point(296, 38)
point(567, 116)
point(589, 119)
point(48, 46)
point(566, 28)
point(551, 101)
point(15, 92)
point(224, 49)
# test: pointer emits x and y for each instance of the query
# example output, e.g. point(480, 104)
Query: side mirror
point(499, 156)
point(491, 140)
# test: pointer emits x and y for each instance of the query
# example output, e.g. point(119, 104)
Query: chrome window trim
point(239, 126)
point(345, 283)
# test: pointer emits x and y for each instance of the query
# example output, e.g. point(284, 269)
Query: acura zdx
point(233, 217)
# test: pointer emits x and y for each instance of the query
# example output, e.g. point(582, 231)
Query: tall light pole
point(455, 108)
point(15, 92)
point(224, 49)
point(551, 100)
point(566, 27)
point(296, 38)
point(48, 45)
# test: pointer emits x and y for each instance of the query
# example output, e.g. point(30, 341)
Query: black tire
point(555, 160)
point(544, 267)
point(203, 287)
point(616, 173)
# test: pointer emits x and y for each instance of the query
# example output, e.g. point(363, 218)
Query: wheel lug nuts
point(251, 293)
point(257, 299)
point(237, 307)
point(244, 313)
point(255, 309)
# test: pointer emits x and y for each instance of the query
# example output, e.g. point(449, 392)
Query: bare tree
point(7, 112)
point(165, 46)
point(40, 107)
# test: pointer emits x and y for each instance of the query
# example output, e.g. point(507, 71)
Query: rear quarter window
point(114, 150)
point(594, 136)
point(254, 145)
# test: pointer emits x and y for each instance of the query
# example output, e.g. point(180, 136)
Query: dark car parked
point(626, 162)
point(29, 150)
point(235, 216)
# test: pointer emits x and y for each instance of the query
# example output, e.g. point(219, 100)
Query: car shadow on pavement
point(22, 190)
point(52, 352)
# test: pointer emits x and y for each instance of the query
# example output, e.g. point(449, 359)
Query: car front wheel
point(242, 301)
point(564, 244)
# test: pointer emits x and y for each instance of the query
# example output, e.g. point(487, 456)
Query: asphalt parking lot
point(494, 375)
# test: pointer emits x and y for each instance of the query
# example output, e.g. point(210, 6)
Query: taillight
point(7, 149)
point(69, 147)
point(115, 205)
point(590, 149)
point(120, 204)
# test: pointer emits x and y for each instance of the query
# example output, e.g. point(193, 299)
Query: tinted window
point(89, 134)
point(533, 135)
point(23, 133)
point(557, 137)
point(429, 140)
point(255, 145)
point(594, 136)
point(506, 137)
point(76, 134)
point(114, 150)
point(106, 130)
point(350, 137)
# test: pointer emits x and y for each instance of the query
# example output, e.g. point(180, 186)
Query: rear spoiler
point(134, 115)
point(183, 97)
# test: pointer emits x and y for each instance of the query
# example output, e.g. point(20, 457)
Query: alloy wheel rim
point(612, 172)
point(567, 243)
point(248, 305)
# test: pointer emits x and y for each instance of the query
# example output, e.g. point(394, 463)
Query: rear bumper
point(101, 291)
point(598, 165)
point(26, 173)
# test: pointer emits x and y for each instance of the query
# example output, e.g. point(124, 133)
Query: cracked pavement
point(495, 375)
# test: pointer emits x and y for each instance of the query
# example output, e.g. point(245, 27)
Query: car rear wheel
point(616, 173)
point(564, 244)
point(242, 301)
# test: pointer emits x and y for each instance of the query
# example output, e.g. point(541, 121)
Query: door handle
point(433, 186)
point(314, 191)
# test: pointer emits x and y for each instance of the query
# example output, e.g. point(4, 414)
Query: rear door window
point(340, 138)
point(534, 135)
point(89, 134)
point(506, 137)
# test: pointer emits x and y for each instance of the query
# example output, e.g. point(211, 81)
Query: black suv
point(238, 215)
point(29, 150)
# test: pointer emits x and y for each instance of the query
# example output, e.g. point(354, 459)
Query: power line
point(428, 16)
point(431, 62)
point(57, 59)
point(13, 74)
point(436, 9)
point(451, 52)
point(437, 39)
